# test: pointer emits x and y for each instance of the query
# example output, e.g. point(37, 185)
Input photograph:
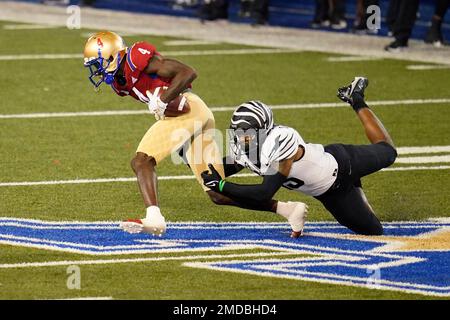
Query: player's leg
point(352, 210)
point(382, 152)
point(144, 167)
point(354, 95)
point(203, 148)
point(162, 139)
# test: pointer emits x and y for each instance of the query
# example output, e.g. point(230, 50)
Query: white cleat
point(132, 226)
point(157, 228)
point(154, 223)
point(297, 218)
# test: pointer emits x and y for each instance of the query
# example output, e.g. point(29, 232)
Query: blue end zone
point(338, 256)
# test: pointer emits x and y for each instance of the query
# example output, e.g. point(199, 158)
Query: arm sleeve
point(230, 167)
point(255, 192)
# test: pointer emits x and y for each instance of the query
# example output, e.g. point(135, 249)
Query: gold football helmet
point(103, 53)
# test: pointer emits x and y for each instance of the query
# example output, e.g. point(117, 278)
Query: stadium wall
point(286, 13)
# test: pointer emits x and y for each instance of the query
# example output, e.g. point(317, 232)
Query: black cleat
point(434, 37)
point(396, 47)
point(357, 86)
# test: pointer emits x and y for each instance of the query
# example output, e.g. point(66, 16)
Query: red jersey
point(137, 81)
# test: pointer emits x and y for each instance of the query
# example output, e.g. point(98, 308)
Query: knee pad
point(389, 153)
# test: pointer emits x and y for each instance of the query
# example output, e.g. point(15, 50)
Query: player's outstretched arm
point(242, 202)
point(230, 167)
point(263, 192)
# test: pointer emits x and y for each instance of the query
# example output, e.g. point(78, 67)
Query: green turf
point(101, 147)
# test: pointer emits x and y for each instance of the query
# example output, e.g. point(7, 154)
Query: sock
point(284, 209)
point(358, 102)
point(153, 211)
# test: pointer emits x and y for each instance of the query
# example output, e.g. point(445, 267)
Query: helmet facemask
point(99, 70)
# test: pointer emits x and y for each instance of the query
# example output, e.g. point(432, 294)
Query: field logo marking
point(412, 257)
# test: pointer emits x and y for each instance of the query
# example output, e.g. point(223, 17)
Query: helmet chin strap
point(109, 77)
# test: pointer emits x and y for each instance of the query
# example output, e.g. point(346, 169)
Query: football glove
point(212, 180)
point(156, 106)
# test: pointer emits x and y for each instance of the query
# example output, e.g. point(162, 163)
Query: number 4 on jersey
point(144, 51)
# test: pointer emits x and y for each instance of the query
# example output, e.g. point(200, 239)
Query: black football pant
point(345, 200)
point(441, 8)
point(260, 11)
point(401, 18)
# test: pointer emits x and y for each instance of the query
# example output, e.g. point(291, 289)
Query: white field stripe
point(417, 168)
point(131, 260)
point(420, 67)
point(86, 35)
point(44, 56)
point(221, 109)
point(185, 177)
point(28, 26)
point(105, 180)
point(73, 114)
point(86, 298)
point(425, 149)
point(431, 159)
point(189, 42)
point(352, 58)
point(49, 56)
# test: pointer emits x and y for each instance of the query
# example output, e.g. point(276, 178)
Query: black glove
point(212, 180)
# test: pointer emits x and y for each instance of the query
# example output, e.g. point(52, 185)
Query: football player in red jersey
point(140, 71)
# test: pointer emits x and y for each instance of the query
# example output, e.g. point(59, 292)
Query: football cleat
point(396, 47)
point(132, 226)
point(297, 218)
point(153, 226)
point(357, 86)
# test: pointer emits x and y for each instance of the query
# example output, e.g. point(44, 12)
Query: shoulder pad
point(281, 144)
point(139, 55)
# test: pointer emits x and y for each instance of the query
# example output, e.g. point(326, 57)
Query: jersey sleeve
point(140, 54)
point(281, 144)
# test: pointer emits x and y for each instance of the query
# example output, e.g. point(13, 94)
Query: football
point(177, 106)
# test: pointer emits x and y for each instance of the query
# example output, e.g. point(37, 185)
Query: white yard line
point(352, 58)
point(425, 149)
point(43, 56)
point(28, 26)
point(421, 67)
point(85, 181)
point(87, 298)
point(222, 109)
point(416, 168)
point(74, 114)
point(131, 260)
point(86, 35)
point(182, 177)
point(423, 160)
point(189, 42)
point(50, 56)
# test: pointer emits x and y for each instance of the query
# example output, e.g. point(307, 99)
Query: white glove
point(155, 105)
